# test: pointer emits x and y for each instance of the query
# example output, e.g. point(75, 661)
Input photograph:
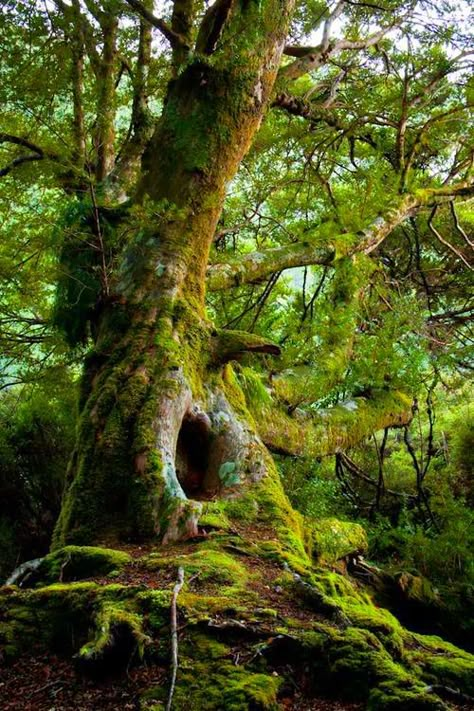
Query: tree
point(148, 200)
point(142, 122)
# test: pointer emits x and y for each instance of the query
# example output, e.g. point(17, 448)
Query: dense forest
point(236, 344)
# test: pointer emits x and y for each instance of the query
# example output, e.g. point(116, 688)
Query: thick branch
point(175, 39)
point(20, 141)
point(21, 160)
point(333, 429)
point(311, 58)
point(256, 266)
point(228, 345)
point(77, 79)
point(105, 129)
point(38, 153)
point(141, 123)
point(182, 26)
point(298, 106)
point(408, 207)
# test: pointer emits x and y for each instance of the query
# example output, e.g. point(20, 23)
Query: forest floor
point(41, 681)
point(48, 683)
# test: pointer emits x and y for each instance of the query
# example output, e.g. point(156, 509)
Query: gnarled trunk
point(157, 432)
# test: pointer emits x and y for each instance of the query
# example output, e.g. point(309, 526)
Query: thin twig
point(174, 637)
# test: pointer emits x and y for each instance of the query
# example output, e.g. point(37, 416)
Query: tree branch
point(38, 152)
point(20, 141)
point(19, 161)
point(256, 266)
point(447, 244)
point(175, 39)
point(229, 345)
point(333, 429)
point(311, 58)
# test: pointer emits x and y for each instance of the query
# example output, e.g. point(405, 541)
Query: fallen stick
point(174, 637)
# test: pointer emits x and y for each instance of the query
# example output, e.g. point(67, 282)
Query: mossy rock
point(214, 517)
point(208, 564)
point(416, 589)
point(80, 562)
point(390, 697)
point(331, 539)
point(445, 664)
point(55, 617)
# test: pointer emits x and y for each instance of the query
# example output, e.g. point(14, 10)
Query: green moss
point(79, 562)
point(443, 663)
point(391, 697)
point(118, 633)
point(207, 565)
point(213, 516)
point(331, 539)
point(54, 617)
point(208, 680)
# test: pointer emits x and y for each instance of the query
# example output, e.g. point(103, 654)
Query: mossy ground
point(260, 625)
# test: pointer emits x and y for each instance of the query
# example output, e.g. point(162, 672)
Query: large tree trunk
point(157, 432)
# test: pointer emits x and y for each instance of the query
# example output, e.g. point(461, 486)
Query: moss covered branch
point(228, 345)
point(329, 430)
point(256, 266)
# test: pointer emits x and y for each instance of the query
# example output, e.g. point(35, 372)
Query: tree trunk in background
point(157, 432)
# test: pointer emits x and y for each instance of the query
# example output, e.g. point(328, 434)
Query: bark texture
point(150, 383)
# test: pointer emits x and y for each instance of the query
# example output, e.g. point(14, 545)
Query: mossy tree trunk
point(157, 431)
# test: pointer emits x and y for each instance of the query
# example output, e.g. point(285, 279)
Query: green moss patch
point(331, 539)
point(80, 562)
point(208, 679)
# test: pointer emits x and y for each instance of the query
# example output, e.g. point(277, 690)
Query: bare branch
point(19, 161)
point(311, 58)
point(444, 241)
point(175, 39)
point(458, 226)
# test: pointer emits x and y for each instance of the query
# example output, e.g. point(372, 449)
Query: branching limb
point(333, 429)
point(141, 122)
point(444, 241)
point(175, 39)
point(256, 266)
point(309, 59)
point(37, 154)
point(182, 25)
point(21, 160)
point(458, 226)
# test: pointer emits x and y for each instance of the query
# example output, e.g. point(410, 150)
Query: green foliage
point(89, 245)
point(462, 452)
point(36, 439)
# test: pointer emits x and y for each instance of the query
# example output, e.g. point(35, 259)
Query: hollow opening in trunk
point(193, 458)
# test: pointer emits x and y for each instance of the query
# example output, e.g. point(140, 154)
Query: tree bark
point(158, 430)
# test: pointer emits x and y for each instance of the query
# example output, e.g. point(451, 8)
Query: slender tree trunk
point(157, 431)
